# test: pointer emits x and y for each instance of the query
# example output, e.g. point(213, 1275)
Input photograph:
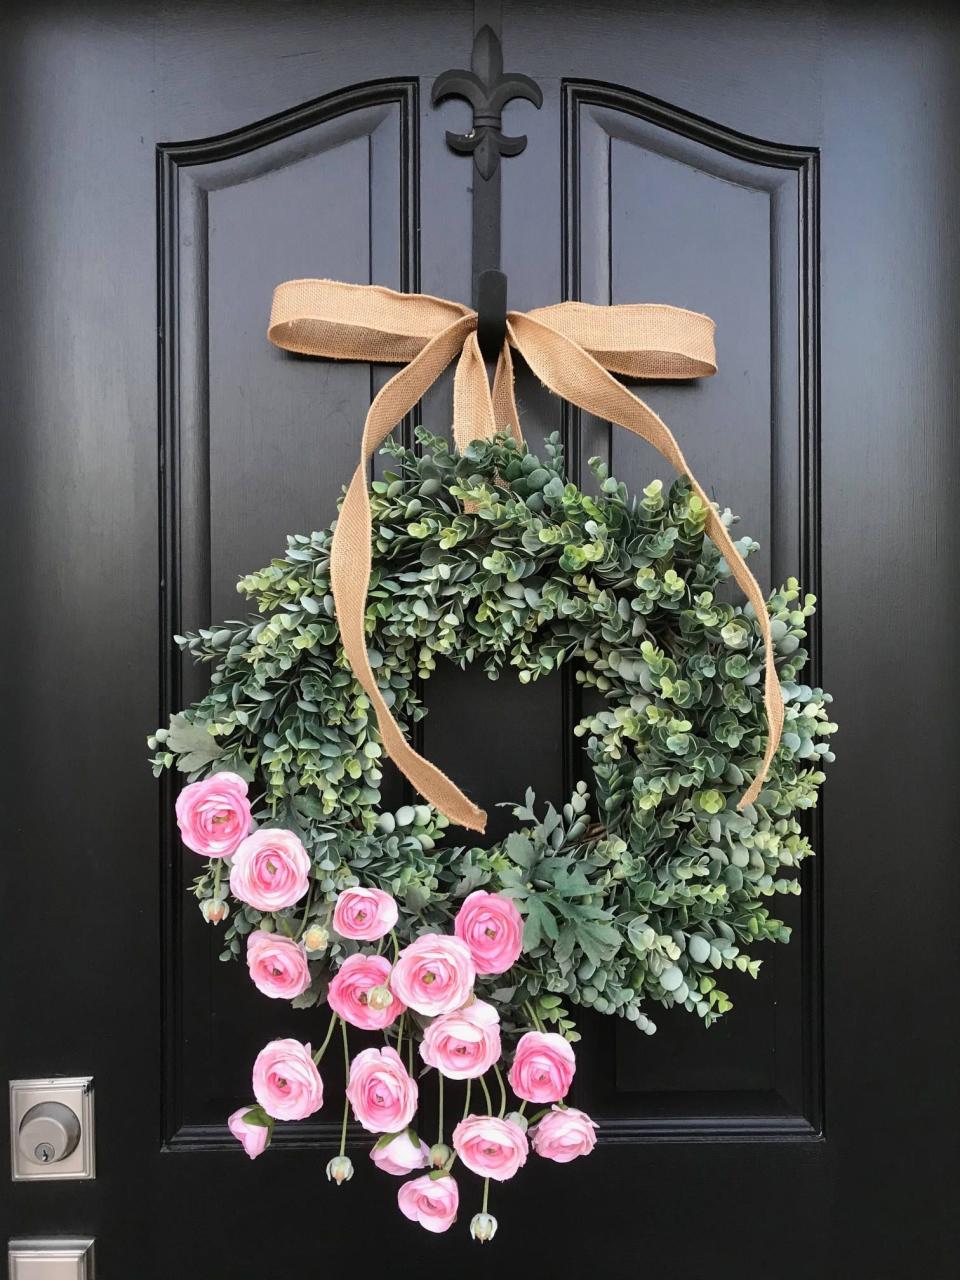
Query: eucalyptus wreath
point(648, 883)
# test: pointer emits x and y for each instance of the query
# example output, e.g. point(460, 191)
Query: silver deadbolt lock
point(49, 1132)
point(51, 1128)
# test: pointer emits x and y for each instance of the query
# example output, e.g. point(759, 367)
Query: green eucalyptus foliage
point(644, 892)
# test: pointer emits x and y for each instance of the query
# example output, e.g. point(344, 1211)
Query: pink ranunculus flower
point(364, 914)
point(463, 1044)
point(383, 1096)
point(434, 974)
point(492, 928)
point(350, 988)
point(563, 1134)
point(401, 1155)
point(214, 815)
point(253, 1136)
point(543, 1067)
point(433, 1202)
point(270, 870)
point(278, 966)
point(490, 1147)
point(286, 1081)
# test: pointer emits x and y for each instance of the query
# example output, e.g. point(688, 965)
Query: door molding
point(790, 174)
point(187, 172)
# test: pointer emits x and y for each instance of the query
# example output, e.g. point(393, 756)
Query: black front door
point(788, 169)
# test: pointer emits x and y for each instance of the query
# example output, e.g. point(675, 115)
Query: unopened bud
point(483, 1227)
point(316, 938)
point(440, 1153)
point(340, 1170)
point(514, 1117)
point(379, 998)
point(214, 910)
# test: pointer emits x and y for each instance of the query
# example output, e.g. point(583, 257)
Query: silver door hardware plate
point(50, 1260)
point(51, 1130)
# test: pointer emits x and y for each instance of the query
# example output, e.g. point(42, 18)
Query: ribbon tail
point(473, 417)
point(504, 401)
point(350, 566)
point(571, 372)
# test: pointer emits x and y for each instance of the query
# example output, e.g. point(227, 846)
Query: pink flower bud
point(340, 1170)
point(316, 938)
point(214, 910)
point(483, 1227)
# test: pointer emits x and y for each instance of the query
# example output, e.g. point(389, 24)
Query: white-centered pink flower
point(286, 1081)
point(383, 1096)
point(433, 1202)
point(434, 974)
point(543, 1067)
point(563, 1134)
point(490, 1147)
point(492, 928)
point(254, 1137)
point(401, 1154)
point(270, 870)
point(214, 815)
point(463, 1044)
point(349, 993)
point(364, 914)
point(278, 965)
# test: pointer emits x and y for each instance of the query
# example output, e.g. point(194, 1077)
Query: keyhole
point(44, 1152)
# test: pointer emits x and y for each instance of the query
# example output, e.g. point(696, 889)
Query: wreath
point(643, 889)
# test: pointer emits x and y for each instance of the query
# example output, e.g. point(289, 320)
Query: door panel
point(677, 158)
point(255, 447)
point(661, 204)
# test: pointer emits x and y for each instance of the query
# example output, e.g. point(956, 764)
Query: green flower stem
point(440, 1108)
point(216, 878)
point(503, 1091)
point(343, 1127)
point(396, 944)
point(486, 1194)
point(486, 1094)
point(523, 1107)
point(400, 1031)
point(346, 1077)
point(466, 1101)
point(410, 1053)
point(326, 1040)
point(529, 1010)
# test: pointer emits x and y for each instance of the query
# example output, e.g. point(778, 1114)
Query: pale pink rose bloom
point(492, 928)
point(543, 1067)
point(401, 1155)
point(278, 966)
point(563, 1134)
point(463, 1044)
point(351, 986)
point(383, 1096)
point(433, 1202)
point(434, 974)
point(253, 1136)
point(286, 1081)
point(490, 1147)
point(270, 870)
point(364, 914)
point(214, 815)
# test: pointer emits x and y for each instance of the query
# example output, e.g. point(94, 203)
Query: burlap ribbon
point(573, 348)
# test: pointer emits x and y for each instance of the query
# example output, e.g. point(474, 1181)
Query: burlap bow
point(573, 348)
